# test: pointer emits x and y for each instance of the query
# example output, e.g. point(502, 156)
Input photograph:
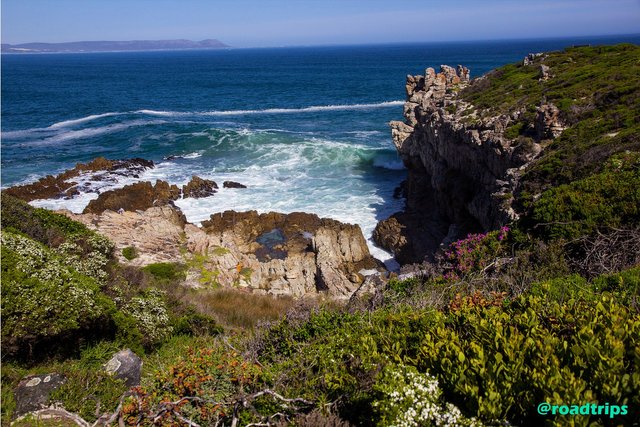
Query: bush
point(45, 299)
point(129, 253)
point(607, 199)
point(408, 398)
point(166, 271)
point(563, 342)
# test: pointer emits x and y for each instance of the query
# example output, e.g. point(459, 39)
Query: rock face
point(293, 254)
point(33, 392)
point(462, 170)
point(125, 365)
point(138, 196)
point(199, 187)
point(63, 185)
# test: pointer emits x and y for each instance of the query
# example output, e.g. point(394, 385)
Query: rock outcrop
point(199, 187)
point(462, 169)
point(65, 184)
point(134, 197)
point(233, 184)
point(293, 254)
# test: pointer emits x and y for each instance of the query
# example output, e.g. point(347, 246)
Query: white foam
point(91, 132)
point(67, 123)
point(313, 108)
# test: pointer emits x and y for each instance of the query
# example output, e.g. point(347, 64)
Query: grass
point(236, 309)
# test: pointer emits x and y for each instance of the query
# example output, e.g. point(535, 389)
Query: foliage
point(129, 253)
point(43, 297)
point(151, 316)
point(610, 198)
point(474, 253)
point(410, 398)
point(207, 376)
point(166, 271)
point(495, 359)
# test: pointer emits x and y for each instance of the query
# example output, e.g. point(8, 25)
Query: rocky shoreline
point(297, 254)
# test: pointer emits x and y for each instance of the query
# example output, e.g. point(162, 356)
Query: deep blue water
point(304, 128)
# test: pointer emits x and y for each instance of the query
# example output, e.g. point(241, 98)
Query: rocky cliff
point(463, 163)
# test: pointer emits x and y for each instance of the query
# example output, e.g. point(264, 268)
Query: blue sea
point(305, 128)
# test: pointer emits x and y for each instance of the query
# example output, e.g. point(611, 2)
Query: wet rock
point(199, 187)
point(138, 196)
point(125, 365)
point(233, 184)
point(59, 186)
point(33, 392)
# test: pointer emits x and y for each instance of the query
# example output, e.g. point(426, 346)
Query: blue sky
point(257, 23)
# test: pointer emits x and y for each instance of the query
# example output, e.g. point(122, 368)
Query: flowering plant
point(473, 253)
point(409, 398)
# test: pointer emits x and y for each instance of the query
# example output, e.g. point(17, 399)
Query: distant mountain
point(109, 46)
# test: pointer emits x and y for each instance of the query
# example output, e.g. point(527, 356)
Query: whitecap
point(68, 123)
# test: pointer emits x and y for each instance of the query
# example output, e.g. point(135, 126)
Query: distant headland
point(111, 46)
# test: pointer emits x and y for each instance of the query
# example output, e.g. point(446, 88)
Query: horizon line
point(230, 47)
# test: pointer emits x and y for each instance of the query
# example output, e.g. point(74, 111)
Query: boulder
point(33, 392)
point(134, 197)
point(125, 365)
point(199, 187)
point(233, 184)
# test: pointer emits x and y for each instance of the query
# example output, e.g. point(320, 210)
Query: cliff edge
point(481, 153)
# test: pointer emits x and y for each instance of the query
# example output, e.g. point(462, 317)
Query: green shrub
point(610, 198)
point(43, 298)
point(129, 253)
point(564, 342)
point(151, 316)
point(166, 271)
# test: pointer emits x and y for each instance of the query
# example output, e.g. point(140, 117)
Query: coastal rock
point(233, 184)
point(138, 196)
point(125, 365)
point(33, 392)
point(157, 233)
point(462, 170)
point(294, 254)
point(199, 187)
point(63, 185)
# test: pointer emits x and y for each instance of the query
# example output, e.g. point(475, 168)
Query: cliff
point(481, 152)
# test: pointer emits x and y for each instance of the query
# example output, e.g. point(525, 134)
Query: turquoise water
point(304, 128)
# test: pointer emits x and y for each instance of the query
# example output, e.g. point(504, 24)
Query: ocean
point(305, 128)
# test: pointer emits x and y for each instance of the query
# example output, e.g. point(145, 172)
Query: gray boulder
point(125, 365)
point(33, 392)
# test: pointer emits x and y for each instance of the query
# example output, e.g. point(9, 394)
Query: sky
point(264, 23)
